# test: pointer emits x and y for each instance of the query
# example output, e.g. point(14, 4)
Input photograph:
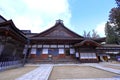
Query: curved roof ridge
point(56, 24)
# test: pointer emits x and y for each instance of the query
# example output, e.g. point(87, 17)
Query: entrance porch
point(86, 51)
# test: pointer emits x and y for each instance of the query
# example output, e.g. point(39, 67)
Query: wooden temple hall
point(57, 43)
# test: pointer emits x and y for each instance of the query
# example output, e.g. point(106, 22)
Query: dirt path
point(15, 73)
point(77, 72)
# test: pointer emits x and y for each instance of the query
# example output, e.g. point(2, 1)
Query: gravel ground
point(12, 74)
point(78, 72)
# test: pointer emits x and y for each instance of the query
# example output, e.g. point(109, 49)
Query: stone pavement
point(101, 66)
point(93, 79)
point(113, 64)
point(41, 73)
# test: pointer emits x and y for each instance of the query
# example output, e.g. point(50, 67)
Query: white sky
point(36, 15)
point(39, 15)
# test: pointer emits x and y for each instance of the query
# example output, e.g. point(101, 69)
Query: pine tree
point(89, 35)
point(114, 18)
point(111, 36)
point(112, 28)
point(94, 34)
point(118, 3)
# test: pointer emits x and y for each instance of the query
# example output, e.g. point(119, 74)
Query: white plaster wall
point(39, 46)
point(34, 46)
point(66, 46)
point(77, 54)
point(72, 51)
point(46, 46)
point(88, 55)
point(33, 51)
point(53, 46)
point(45, 51)
point(25, 51)
point(60, 46)
point(61, 51)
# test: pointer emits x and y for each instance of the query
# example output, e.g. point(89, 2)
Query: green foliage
point(112, 28)
point(118, 2)
point(114, 18)
point(111, 35)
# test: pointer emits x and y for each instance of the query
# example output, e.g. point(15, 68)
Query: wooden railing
point(9, 62)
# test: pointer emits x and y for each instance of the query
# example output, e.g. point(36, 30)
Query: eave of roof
point(10, 22)
point(87, 41)
point(111, 45)
point(53, 38)
point(3, 18)
point(101, 39)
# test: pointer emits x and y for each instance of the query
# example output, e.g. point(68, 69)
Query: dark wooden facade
point(12, 42)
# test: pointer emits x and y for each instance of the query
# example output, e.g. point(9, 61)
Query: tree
point(118, 3)
point(85, 34)
point(94, 34)
point(89, 35)
point(111, 36)
point(114, 18)
point(112, 27)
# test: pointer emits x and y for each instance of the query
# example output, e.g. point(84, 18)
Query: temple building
point(57, 43)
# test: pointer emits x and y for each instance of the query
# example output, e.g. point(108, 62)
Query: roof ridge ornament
point(59, 21)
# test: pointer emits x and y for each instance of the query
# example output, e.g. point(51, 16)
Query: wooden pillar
point(1, 48)
point(79, 52)
point(14, 53)
point(4, 41)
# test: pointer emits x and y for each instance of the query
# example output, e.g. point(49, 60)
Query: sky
point(39, 15)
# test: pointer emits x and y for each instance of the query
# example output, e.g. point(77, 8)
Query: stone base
point(44, 56)
point(32, 55)
point(61, 56)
